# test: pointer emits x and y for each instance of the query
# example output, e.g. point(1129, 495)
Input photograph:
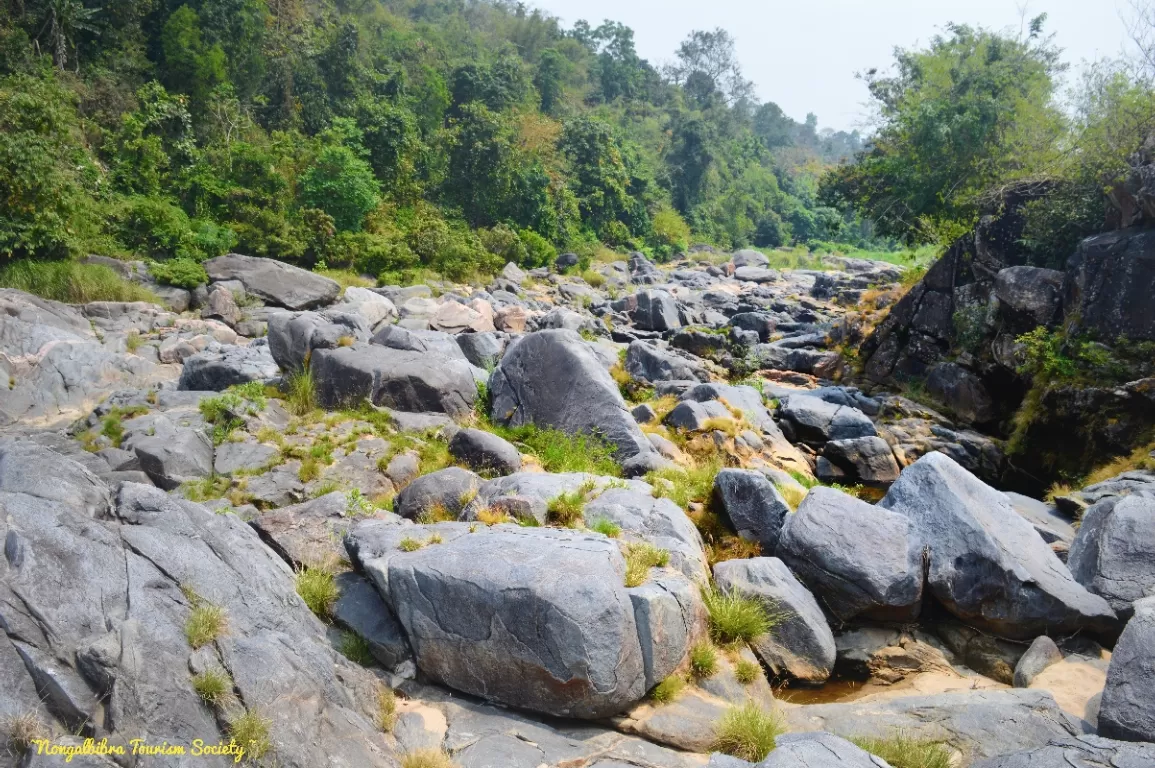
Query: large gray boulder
point(294, 335)
point(819, 750)
point(670, 616)
point(816, 421)
point(218, 369)
point(656, 311)
point(649, 363)
point(1029, 296)
point(1127, 711)
point(800, 645)
point(374, 308)
point(962, 392)
point(531, 618)
point(526, 495)
point(1110, 280)
point(868, 460)
point(1113, 554)
point(405, 381)
point(1077, 752)
point(987, 565)
point(485, 452)
point(553, 379)
point(860, 560)
point(752, 505)
point(980, 723)
point(276, 282)
point(95, 609)
point(176, 458)
point(428, 342)
point(438, 494)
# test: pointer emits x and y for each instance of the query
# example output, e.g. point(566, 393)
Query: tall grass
point(734, 617)
point(748, 732)
point(902, 751)
point(72, 282)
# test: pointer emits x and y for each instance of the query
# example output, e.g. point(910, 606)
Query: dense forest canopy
point(386, 136)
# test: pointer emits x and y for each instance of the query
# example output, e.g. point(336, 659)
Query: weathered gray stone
point(553, 379)
point(817, 421)
point(656, 311)
point(987, 564)
point(649, 363)
point(1029, 296)
point(276, 282)
point(1077, 752)
point(294, 335)
point(445, 492)
point(693, 416)
point(869, 460)
point(235, 457)
point(658, 522)
point(801, 645)
point(752, 505)
point(482, 349)
point(184, 455)
point(374, 308)
point(406, 381)
point(221, 305)
point(1127, 711)
point(361, 610)
point(860, 560)
point(1113, 554)
point(1042, 654)
point(670, 616)
point(962, 392)
point(1110, 280)
point(819, 750)
point(217, 369)
point(748, 257)
point(485, 452)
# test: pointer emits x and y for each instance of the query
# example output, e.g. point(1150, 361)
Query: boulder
point(361, 610)
point(406, 381)
point(756, 275)
point(1053, 526)
point(372, 307)
point(868, 460)
point(482, 349)
point(275, 282)
point(693, 416)
point(987, 565)
point(221, 305)
point(531, 618)
point(308, 533)
point(238, 457)
point(748, 257)
point(752, 505)
point(1029, 296)
point(553, 379)
point(176, 458)
point(1110, 281)
point(816, 421)
point(429, 342)
point(670, 616)
point(978, 723)
point(455, 317)
point(294, 335)
point(1113, 554)
point(819, 750)
point(1077, 752)
point(439, 495)
point(526, 495)
point(962, 392)
point(513, 273)
point(218, 369)
point(511, 319)
point(1042, 654)
point(485, 452)
point(860, 560)
point(656, 311)
point(1127, 711)
point(648, 363)
point(801, 645)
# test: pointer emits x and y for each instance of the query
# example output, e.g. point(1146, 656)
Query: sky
point(803, 54)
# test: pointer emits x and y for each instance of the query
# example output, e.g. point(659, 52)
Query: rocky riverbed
point(348, 527)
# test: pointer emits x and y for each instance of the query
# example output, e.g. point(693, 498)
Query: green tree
point(971, 111)
point(549, 79)
point(192, 66)
point(64, 20)
point(341, 183)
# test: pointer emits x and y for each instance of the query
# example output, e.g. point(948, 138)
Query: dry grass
point(386, 709)
point(409, 544)
point(22, 731)
point(1140, 458)
point(640, 558)
point(427, 758)
point(252, 732)
point(489, 516)
point(206, 622)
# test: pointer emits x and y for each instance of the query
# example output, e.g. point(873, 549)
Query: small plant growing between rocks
point(132, 341)
point(640, 558)
point(427, 758)
point(746, 671)
point(206, 622)
point(213, 686)
point(301, 392)
point(902, 751)
point(490, 516)
point(22, 731)
point(735, 618)
point(359, 506)
point(607, 528)
point(437, 513)
point(346, 341)
point(667, 690)
point(566, 510)
point(703, 660)
point(251, 731)
point(317, 586)
point(409, 544)
point(386, 708)
point(356, 649)
point(748, 732)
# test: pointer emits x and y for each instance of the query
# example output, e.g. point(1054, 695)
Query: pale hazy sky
point(803, 54)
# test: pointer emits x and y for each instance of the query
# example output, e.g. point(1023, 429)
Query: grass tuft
point(356, 649)
point(667, 690)
point(903, 752)
point(409, 544)
point(22, 731)
point(746, 671)
point(566, 510)
point(252, 732)
point(734, 617)
point(748, 732)
point(72, 282)
point(386, 709)
point(607, 528)
point(317, 586)
point(427, 758)
point(206, 622)
point(301, 392)
point(683, 486)
point(213, 686)
point(640, 558)
point(703, 660)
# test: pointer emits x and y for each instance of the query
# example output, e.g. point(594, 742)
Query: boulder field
point(653, 521)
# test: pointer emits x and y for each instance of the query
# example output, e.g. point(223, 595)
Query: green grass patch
point(301, 392)
point(734, 617)
point(565, 510)
point(746, 671)
point(561, 452)
point(703, 660)
point(72, 282)
point(667, 690)
point(640, 558)
point(206, 622)
point(317, 586)
point(356, 649)
point(213, 686)
point(903, 752)
point(605, 527)
point(748, 732)
point(252, 732)
point(684, 485)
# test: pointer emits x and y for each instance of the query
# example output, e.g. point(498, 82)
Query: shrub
point(667, 690)
point(703, 660)
point(206, 622)
point(683, 486)
point(746, 671)
point(251, 731)
point(640, 558)
point(356, 649)
point(670, 230)
point(427, 758)
point(734, 617)
point(748, 732)
point(606, 528)
point(183, 273)
point(386, 708)
point(903, 752)
point(213, 686)
point(71, 282)
point(566, 509)
point(317, 586)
